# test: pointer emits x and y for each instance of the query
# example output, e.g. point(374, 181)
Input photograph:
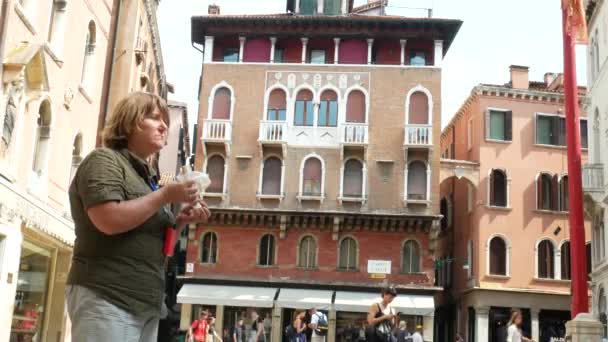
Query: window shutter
point(554, 192)
point(488, 124)
point(554, 130)
point(492, 188)
point(509, 125)
point(355, 107)
point(539, 192)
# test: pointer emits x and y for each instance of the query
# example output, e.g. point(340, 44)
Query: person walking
point(417, 335)
point(318, 325)
point(514, 331)
point(401, 334)
point(238, 331)
point(299, 327)
point(116, 282)
point(257, 328)
point(200, 328)
point(381, 318)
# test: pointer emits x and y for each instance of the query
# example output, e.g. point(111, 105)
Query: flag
point(575, 22)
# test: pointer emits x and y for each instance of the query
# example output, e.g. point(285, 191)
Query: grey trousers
point(94, 319)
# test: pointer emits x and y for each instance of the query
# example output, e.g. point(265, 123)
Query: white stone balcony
point(593, 181)
point(418, 135)
point(217, 131)
point(273, 132)
point(356, 134)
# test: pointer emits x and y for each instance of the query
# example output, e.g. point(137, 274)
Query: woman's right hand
point(185, 192)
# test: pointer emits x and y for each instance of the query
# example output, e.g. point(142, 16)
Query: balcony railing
point(418, 135)
point(273, 132)
point(593, 178)
point(354, 134)
point(217, 130)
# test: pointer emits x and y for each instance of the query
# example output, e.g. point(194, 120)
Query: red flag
point(576, 25)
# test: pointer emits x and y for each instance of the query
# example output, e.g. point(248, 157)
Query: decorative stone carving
point(343, 82)
point(13, 103)
point(278, 75)
point(291, 81)
point(357, 77)
point(68, 97)
point(317, 81)
point(305, 77)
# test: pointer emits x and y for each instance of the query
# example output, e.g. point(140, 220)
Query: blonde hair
point(128, 114)
point(514, 315)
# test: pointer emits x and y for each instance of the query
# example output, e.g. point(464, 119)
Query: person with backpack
point(318, 325)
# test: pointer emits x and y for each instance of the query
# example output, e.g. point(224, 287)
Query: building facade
point(177, 151)
point(320, 135)
point(507, 208)
point(594, 173)
point(57, 58)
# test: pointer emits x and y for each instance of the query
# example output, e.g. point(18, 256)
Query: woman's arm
point(371, 316)
point(260, 331)
point(299, 326)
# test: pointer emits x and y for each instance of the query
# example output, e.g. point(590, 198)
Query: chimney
point(214, 9)
point(519, 77)
point(549, 78)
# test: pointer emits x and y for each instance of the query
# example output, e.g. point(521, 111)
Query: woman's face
point(388, 298)
point(518, 320)
point(151, 135)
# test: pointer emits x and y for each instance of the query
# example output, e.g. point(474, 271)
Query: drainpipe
point(3, 26)
point(108, 71)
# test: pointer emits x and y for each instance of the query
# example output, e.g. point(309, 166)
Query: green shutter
point(308, 7)
point(497, 125)
point(543, 130)
point(331, 7)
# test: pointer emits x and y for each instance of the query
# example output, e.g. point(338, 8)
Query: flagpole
point(578, 262)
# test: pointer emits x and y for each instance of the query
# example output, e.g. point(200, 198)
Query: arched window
point(43, 137)
point(348, 254)
point(76, 156)
point(498, 188)
point(353, 179)
point(277, 105)
point(597, 156)
point(307, 253)
point(209, 248)
point(88, 66)
point(271, 178)
point(304, 111)
point(267, 250)
point(356, 107)
point(546, 264)
point(312, 180)
point(565, 261)
point(328, 109)
point(417, 181)
point(418, 109)
point(589, 261)
point(546, 192)
point(58, 21)
point(598, 240)
point(498, 256)
point(215, 169)
point(410, 260)
point(222, 104)
point(563, 194)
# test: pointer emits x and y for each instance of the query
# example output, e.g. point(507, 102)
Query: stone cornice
point(151, 8)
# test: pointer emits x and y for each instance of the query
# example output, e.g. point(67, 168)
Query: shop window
point(209, 248)
point(215, 169)
point(43, 137)
point(498, 257)
point(328, 109)
point(356, 107)
point(267, 250)
point(546, 192)
point(418, 109)
point(499, 125)
point(222, 104)
point(304, 111)
point(32, 291)
point(58, 21)
point(307, 253)
point(353, 179)
point(348, 254)
point(317, 56)
point(546, 264)
point(76, 156)
point(565, 261)
point(277, 105)
point(88, 65)
point(312, 177)
point(271, 178)
point(498, 188)
point(417, 181)
point(563, 194)
point(411, 257)
point(417, 58)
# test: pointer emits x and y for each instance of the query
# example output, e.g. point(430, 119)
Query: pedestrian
point(459, 338)
point(267, 326)
point(514, 331)
point(299, 327)
point(417, 335)
point(200, 328)
point(362, 332)
point(213, 336)
point(238, 331)
point(401, 334)
point(318, 325)
point(257, 328)
point(308, 330)
point(116, 282)
point(381, 317)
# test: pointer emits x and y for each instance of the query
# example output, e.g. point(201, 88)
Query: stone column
point(438, 53)
point(304, 48)
point(584, 328)
point(336, 50)
point(370, 44)
point(535, 324)
point(241, 48)
point(273, 43)
point(403, 42)
point(331, 332)
point(208, 57)
point(186, 317)
point(219, 320)
point(482, 320)
point(277, 325)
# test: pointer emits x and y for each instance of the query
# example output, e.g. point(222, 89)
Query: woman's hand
point(176, 192)
point(192, 213)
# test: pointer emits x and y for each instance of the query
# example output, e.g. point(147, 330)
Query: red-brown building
point(320, 131)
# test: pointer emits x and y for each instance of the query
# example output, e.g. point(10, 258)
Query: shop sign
point(378, 276)
point(379, 266)
point(189, 267)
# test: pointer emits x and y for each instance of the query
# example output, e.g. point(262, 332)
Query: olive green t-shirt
point(125, 269)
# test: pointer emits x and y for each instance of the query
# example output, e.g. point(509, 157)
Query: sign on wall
point(379, 266)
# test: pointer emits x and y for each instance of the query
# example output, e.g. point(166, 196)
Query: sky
point(494, 35)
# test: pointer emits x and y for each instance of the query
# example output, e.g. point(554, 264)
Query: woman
point(381, 318)
point(199, 329)
point(257, 328)
point(299, 326)
point(116, 281)
point(213, 336)
point(514, 331)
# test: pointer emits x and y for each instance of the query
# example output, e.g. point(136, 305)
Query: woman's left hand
point(192, 213)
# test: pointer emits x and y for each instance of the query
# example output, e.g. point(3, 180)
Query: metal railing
point(217, 130)
point(419, 135)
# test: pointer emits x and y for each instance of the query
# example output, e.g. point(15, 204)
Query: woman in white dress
point(514, 331)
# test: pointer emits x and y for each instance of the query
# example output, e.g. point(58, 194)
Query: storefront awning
point(304, 299)
point(406, 304)
point(259, 297)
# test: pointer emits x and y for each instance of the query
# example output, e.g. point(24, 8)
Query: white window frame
point(507, 185)
point(301, 196)
point(488, 124)
point(57, 27)
point(211, 99)
point(226, 173)
point(507, 255)
point(316, 252)
point(288, 100)
point(538, 178)
point(429, 97)
point(261, 179)
point(363, 185)
point(217, 248)
point(557, 266)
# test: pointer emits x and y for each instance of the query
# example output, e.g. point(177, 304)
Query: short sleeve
point(100, 179)
point(314, 319)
